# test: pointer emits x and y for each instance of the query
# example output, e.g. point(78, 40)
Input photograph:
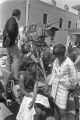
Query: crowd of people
point(61, 78)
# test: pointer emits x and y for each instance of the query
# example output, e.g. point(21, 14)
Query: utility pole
point(27, 11)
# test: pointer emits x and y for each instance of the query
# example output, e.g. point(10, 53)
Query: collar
point(16, 19)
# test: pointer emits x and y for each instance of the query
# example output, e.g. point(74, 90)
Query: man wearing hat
point(51, 31)
point(50, 40)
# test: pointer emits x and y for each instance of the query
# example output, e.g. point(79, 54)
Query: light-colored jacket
point(63, 76)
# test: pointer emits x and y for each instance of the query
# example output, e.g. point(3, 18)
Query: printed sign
point(32, 28)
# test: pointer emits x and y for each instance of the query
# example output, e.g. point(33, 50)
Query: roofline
point(76, 6)
point(56, 7)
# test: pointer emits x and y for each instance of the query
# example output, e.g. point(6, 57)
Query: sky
point(2, 1)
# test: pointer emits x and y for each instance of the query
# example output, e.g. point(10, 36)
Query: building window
point(60, 23)
point(69, 24)
point(44, 18)
point(76, 24)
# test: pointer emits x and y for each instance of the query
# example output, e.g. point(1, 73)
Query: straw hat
point(51, 29)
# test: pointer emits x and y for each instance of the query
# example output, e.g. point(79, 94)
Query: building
point(77, 7)
point(39, 12)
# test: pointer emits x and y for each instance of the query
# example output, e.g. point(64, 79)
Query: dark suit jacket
point(11, 28)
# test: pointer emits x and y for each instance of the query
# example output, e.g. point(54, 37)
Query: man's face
point(61, 58)
point(18, 17)
point(52, 37)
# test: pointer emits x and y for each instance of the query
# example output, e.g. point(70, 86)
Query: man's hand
point(46, 88)
point(29, 95)
point(31, 104)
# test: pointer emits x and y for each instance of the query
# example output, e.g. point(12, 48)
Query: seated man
point(28, 79)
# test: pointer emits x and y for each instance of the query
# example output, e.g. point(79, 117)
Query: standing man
point(51, 32)
point(10, 41)
point(50, 40)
